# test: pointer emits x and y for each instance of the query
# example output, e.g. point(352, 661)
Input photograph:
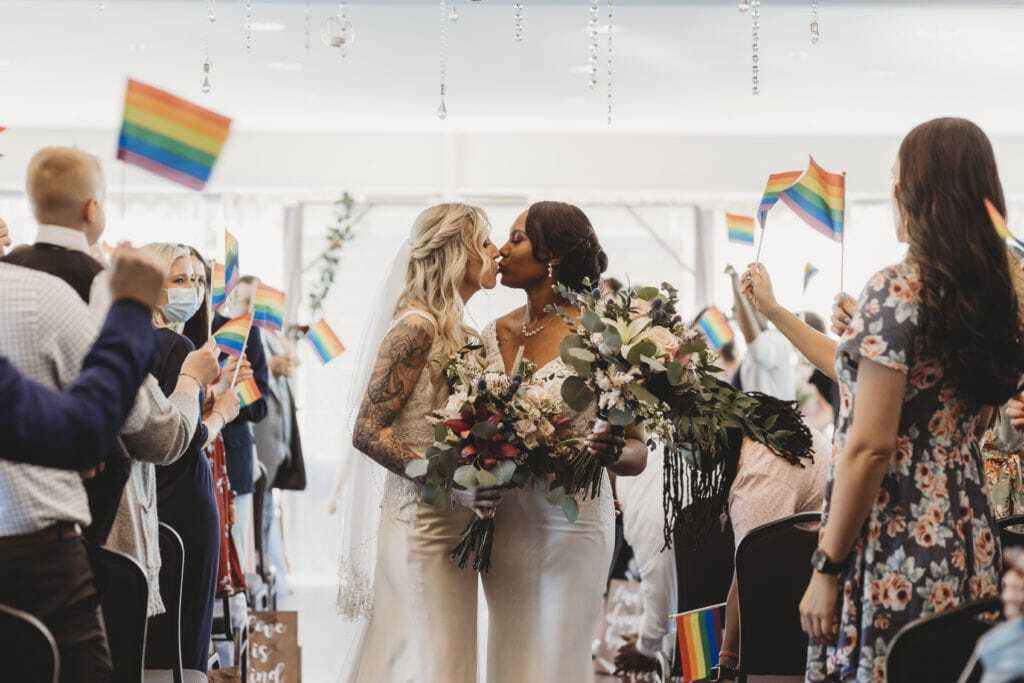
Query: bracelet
point(727, 653)
point(185, 374)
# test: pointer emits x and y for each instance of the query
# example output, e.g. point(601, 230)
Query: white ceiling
point(680, 66)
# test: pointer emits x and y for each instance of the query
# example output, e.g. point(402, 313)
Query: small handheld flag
point(169, 136)
point(325, 342)
point(777, 182)
point(232, 335)
point(248, 392)
point(999, 223)
point(232, 273)
point(268, 308)
point(700, 639)
point(819, 198)
point(715, 327)
point(741, 228)
point(218, 291)
point(809, 272)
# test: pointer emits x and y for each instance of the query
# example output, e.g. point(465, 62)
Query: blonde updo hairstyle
point(443, 238)
point(166, 253)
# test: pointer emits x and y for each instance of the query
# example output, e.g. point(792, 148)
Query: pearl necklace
point(530, 333)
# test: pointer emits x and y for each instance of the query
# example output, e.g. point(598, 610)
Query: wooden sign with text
point(274, 654)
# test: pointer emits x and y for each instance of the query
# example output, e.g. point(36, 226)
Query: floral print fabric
point(929, 544)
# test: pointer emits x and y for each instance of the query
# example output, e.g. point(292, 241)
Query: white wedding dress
point(424, 621)
point(548, 575)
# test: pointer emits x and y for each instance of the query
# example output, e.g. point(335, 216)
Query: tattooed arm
point(400, 361)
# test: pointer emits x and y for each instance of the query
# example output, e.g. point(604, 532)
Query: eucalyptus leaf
point(592, 321)
point(644, 348)
point(504, 471)
point(642, 394)
point(484, 430)
point(576, 394)
point(417, 468)
point(582, 368)
point(465, 477)
point(486, 479)
point(583, 355)
point(573, 341)
point(612, 341)
point(646, 293)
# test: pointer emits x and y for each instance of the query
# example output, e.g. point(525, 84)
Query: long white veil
point(360, 487)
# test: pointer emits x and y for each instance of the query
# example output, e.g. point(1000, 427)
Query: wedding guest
point(45, 332)
point(76, 428)
point(238, 438)
point(185, 498)
point(66, 189)
point(644, 530)
point(935, 343)
point(768, 365)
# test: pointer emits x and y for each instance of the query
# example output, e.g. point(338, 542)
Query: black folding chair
point(31, 648)
point(163, 642)
point(1011, 531)
point(262, 584)
point(124, 596)
point(773, 567)
point(704, 573)
point(939, 647)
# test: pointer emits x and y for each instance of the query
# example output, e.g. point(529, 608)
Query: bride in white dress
point(548, 575)
point(395, 571)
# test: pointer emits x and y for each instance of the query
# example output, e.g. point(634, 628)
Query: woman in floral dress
point(935, 342)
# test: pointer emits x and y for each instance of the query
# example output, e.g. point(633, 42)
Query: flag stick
point(842, 245)
point(760, 243)
point(245, 343)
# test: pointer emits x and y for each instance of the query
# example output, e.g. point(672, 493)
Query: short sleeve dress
point(929, 543)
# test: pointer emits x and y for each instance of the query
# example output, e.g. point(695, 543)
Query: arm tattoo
point(403, 355)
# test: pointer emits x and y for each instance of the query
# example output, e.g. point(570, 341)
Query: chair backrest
point(259, 495)
point(36, 660)
point(773, 567)
point(704, 573)
point(163, 641)
point(124, 595)
point(938, 647)
point(1011, 531)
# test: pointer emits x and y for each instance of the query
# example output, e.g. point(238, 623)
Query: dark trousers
point(54, 582)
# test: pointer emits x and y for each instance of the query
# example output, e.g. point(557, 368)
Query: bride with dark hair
point(545, 586)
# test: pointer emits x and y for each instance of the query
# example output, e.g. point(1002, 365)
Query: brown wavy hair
point(563, 230)
point(969, 318)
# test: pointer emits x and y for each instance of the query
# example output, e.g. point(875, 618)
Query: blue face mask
point(182, 304)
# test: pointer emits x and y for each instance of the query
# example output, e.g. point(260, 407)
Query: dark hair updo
point(563, 231)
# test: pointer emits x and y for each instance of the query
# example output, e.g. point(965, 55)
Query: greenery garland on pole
point(337, 235)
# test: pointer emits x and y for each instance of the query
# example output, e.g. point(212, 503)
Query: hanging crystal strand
point(755, 30)
point(206, 87)
point(611, 60)
point(442, 109)
point(815, 25)
point(592, 58)
point(248, 27)
point(308, 25)
point(211, 10)
point(517, 21)
point(743, 6)
point(453, 12)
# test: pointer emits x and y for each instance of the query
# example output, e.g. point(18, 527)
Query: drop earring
point(551, 270)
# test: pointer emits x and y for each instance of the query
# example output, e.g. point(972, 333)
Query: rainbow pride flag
point(741, 228)
point(325, 342)
point(248, 392)
point(218, 290)
point(231, 269)
point(810, 270)
point(819, 198)
point(268, 308)
point(169, 136)
point(715, 327)
point(231, 336)
point(777, 183)
point(999, 223)
point(700, 638)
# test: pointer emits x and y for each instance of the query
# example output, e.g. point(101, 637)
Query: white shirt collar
point(69, 238)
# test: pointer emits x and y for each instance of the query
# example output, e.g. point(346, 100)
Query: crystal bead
point(442, 111)
point(206, 85)
point(744, 5)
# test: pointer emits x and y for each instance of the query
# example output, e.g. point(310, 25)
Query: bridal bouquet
point(629, 353)
point(495, 430)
